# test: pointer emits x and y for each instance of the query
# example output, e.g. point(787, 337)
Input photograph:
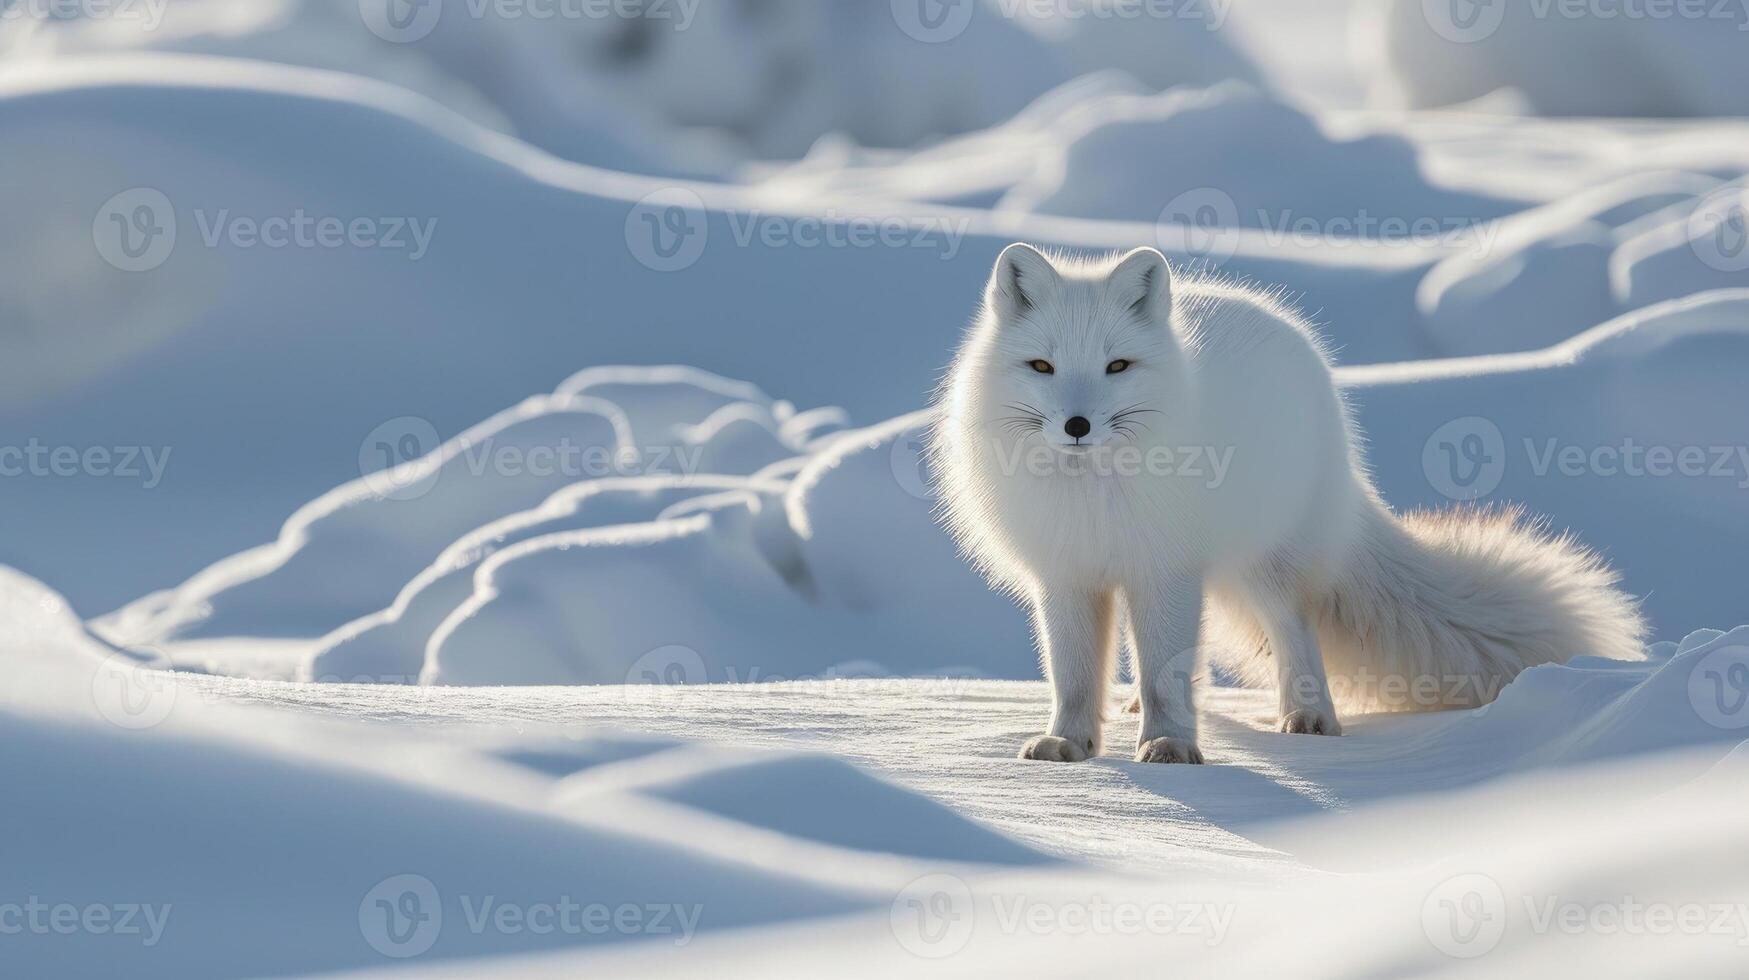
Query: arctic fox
point(1165, 461)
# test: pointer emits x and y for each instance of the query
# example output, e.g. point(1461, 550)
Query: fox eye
point(1042, 367)
point(1118, 366)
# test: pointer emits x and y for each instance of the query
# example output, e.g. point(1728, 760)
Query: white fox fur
point(1308, 576)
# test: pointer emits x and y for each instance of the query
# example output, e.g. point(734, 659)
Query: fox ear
point(1144, 282)
point(1023, 278)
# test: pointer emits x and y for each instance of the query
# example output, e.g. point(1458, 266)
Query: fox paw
point(1310, 721)
point(1169, 750)
point(1053, 748)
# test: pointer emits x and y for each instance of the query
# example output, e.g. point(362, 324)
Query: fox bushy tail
point(1442, 609)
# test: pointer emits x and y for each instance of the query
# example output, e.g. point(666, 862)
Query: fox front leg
point(1077, 629)
point(1167, 626)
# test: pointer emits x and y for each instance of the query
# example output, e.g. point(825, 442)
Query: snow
point(689, 88)
point(1223, 144)
point(568, 547)
point(221, 494)
point(1326, 849)
point(475, 566)
point(1568, 59)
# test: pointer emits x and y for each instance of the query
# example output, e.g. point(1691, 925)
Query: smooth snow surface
point(536, 572)
point(434, 802)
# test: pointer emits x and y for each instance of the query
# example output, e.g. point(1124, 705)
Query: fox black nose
point(1077, 427)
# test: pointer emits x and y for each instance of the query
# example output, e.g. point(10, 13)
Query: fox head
point(1077, 354)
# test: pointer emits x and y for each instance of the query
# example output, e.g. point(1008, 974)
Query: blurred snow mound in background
point(1132, 157)
point(1620, 246)
point(1611, 59)
point(788, 553)
point(686, 88)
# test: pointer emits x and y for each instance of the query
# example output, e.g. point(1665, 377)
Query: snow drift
point(1588, 59)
